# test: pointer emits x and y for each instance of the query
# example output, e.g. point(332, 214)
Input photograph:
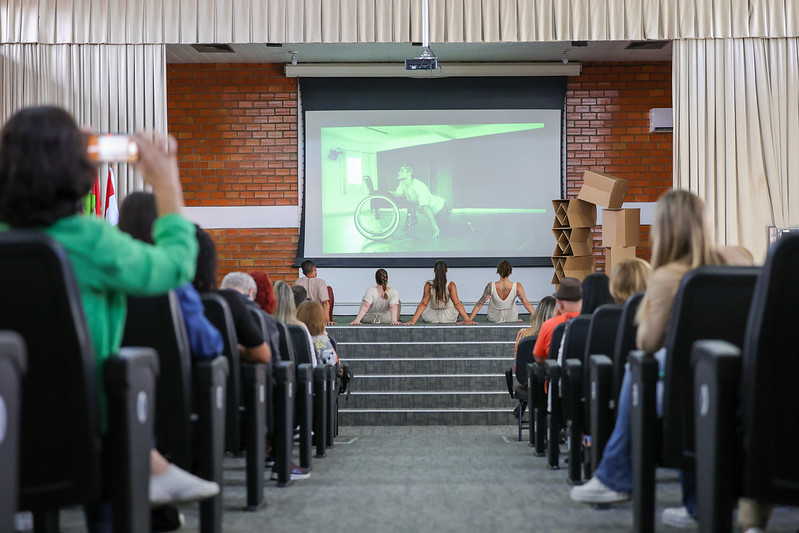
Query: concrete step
point(347, 350)
point(430, 333)
point(428, 365)
point(429, 400)
point(426, 417)
point(429, 382)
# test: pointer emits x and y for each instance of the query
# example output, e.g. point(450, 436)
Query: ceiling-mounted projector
point(426, 61)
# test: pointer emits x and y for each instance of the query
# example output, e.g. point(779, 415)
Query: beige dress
point(500, 310)
point(379, 308)
point(440, 312)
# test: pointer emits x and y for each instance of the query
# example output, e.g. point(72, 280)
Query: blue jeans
point(615, 470)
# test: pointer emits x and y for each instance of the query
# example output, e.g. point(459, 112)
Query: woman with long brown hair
point(380, 304)
point(440, 303)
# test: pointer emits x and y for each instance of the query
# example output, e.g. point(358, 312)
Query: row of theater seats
point(51, 438)
point(728, 403)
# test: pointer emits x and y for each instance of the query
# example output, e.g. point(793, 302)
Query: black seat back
point(524, 356)
point(625, 340)
point(13, 362)
point(286, 343)
point(299, 336)
point(711, 303)
point(575, 337)
point(769, 393)
point(601, 340)
point(555, 340)
point(218, 313)
point(270, 330)
point(60, 432)
point(157, 322)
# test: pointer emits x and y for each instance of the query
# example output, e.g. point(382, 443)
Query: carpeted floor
point(436, 479)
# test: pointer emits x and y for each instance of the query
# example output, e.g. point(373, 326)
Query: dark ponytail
point(440, 281)
point(381, 277)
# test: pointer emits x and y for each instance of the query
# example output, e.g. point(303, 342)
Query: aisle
point(426, 479)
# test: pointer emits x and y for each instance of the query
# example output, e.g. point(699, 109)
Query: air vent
point(646, 45)
point(213, 48)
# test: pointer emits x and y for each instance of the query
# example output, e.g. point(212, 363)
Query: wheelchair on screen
point(378, 215)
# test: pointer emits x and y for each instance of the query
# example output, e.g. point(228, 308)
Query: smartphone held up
point(112, 148)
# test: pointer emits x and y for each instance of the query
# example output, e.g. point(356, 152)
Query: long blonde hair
point(544, 311)
point(680, 232)
point(285, 310)
point(630, 276)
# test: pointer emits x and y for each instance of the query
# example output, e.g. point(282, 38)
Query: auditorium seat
point(605, 372)
point(304, 407)
point(601, 341)
point(547, 373)
point(245, 420)
point(574, 341)
point(747, 399)
point(524, 357)
point(711, 302)
point(13, 363)
point(190, 408)
point(65, 460)
point(332, 301)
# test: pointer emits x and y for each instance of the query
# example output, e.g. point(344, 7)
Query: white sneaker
point(594, 491)
point(178, 486)
point(678, 517)
point(755, 530)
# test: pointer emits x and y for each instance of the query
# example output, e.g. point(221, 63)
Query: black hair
point(440, 281)
point(307, 266)
point(137, 215)
point(45, 171)
point(596, 292)
point(205, 277)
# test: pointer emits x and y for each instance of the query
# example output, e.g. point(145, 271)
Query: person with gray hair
point(241, 282)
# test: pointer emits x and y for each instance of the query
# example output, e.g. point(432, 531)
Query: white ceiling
point(397, 52)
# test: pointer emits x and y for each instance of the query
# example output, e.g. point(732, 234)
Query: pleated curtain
point(109, 88)
point(736, 134)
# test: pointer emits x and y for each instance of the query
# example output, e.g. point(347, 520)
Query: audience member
point(569, 301)
point(680, 243)
point(252, 345)
point(44, 174)
point(596, 292)
point(300, 295)
point(286, 312)
point(502, 308)
point(380, 304)
point(241, 282)
point(442, 297)
point(265, 294)
point(136, 216)
point(546, 309)
point(312, 315)
point(629, 276)
point(315, 286)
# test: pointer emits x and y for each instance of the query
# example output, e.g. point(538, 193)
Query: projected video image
point(437, 189)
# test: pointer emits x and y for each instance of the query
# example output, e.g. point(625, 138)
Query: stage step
point(427, 375)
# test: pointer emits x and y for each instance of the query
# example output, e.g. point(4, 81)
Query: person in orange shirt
point(569, 297)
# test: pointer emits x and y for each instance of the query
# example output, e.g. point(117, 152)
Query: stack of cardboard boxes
point(574, 220)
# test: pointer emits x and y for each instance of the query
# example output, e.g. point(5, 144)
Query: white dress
point(440, 312)
point(379, 308)
point(500, 310)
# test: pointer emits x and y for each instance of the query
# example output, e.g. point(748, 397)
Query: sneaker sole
point(618, 498)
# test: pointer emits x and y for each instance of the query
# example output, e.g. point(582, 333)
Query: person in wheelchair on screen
point(434, 207)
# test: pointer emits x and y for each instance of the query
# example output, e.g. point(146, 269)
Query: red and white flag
point(111, 209)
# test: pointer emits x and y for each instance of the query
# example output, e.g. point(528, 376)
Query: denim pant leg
point(688, 481)
point(615, 470)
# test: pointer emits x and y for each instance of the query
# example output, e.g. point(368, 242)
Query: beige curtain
point(736, 133)
point(110, 88)
point(399, 21)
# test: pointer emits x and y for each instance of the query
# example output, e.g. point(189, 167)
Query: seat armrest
point(552, 369)
point(540, 370)
point(717, 378)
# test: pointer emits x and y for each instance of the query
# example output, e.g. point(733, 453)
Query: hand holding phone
point(112, 148)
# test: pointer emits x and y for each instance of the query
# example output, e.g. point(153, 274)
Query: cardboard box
point(603, 189)
point(621, 227)
point(578, 267)
point(562, 237)
point(581, 241)
point(616, 254)
point(581, 214)
point(561, 214)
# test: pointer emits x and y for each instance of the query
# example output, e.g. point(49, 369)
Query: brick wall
point(236, 127)
point(607, 129)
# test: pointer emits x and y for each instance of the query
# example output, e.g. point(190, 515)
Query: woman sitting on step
point(440, 303)
point(501, 297)
point(381, 303)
